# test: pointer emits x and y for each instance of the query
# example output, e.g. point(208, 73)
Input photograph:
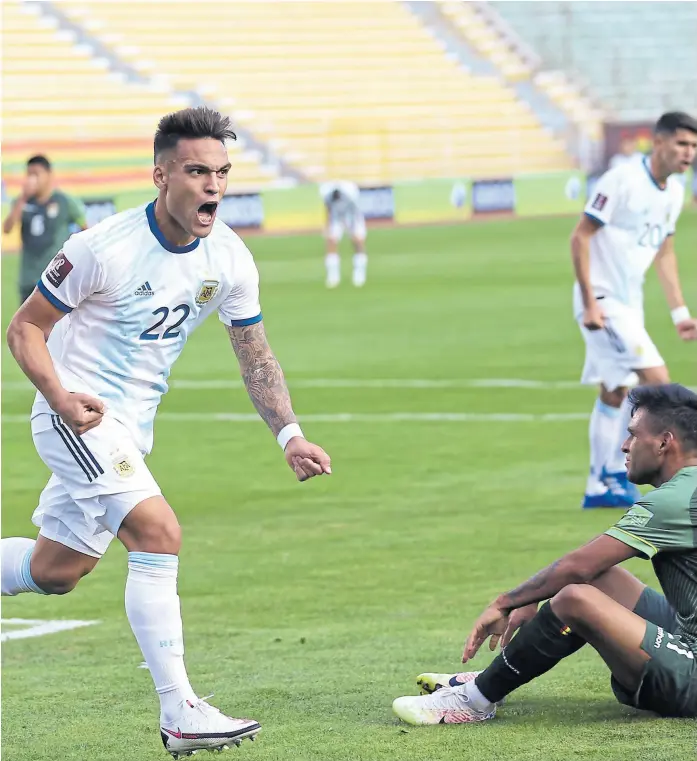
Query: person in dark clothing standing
point(46, 215)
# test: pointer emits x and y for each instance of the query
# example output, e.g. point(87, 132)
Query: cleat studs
point(237, 742)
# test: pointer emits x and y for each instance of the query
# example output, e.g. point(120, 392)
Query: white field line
point(427, 383)
point(360, 417)
point(33, 627)
point(193, 384)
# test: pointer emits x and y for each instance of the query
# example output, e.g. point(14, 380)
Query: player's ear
point(668, 438)
point(159, 176)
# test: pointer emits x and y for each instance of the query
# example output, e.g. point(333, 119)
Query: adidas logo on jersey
point(144, 290)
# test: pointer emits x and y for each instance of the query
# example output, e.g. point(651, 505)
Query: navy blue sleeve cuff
point(595, 219)
point(55, 301)
point(244, 323)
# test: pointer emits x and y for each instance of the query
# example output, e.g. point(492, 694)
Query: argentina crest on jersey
point(207, 291)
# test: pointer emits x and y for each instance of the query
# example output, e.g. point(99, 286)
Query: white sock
point(615, 460)
point(152, 607)
point(602, 434)
point(360, 266)
point(478, 701)
point(333, 264)
point(15, 556)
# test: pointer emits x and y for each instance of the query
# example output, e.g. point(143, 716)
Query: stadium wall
point(431, 201)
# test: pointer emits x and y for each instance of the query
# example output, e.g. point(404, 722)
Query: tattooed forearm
point(262, 376)
point(543, 585)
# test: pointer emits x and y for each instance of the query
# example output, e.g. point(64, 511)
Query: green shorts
point(668, 684)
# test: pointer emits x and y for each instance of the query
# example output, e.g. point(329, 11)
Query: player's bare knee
point(151, 526)
point(57, 581)
point(169, 537)
point(569, 603)
point(161, 534)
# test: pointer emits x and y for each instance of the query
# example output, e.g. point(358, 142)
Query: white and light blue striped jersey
point(346, 206)
point(636, 215)
point(132, 299)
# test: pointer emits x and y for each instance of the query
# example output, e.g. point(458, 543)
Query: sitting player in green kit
point(648, 640)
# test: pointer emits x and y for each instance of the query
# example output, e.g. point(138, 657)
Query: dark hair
point(196, 122)
point(39, 160)
point(671, 122)
point(673, 408)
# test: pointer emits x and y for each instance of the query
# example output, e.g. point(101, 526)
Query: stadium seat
point(321, 76)
point(618, 49)
point(485, 30)
point(61, 99)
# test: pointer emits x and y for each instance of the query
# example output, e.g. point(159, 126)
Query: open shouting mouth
point(206, 212)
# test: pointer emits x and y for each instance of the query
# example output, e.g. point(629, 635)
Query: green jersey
point(662, 526)
point(45, 228)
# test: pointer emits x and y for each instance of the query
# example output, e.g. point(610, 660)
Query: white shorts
point(623, 346)
point(98, 478)
point(354, 226)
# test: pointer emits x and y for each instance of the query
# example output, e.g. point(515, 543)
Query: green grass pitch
point(311, 606)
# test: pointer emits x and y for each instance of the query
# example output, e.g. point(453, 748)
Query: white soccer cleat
point(332, 282)
point(429, 682)
point(200, 726)
point(449, 705)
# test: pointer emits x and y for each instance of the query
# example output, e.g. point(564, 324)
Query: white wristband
point(287, 433)
point(680, 314)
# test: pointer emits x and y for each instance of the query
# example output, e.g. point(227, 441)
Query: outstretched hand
point(306, 459)
point(492, 623)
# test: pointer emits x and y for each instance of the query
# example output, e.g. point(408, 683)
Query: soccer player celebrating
point(628, 224)
point(98, 338)
point(647, 640)
point(344, 215)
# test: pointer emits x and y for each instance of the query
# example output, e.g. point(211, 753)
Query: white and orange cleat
point(200, 726)
point(449, 705)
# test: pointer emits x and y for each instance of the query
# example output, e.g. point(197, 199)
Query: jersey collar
point(155, 230)
point(53, 197)
point(645, 162)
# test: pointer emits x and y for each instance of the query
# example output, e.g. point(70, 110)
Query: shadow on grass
point(573, 710)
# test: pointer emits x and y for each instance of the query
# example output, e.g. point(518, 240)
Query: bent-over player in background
point(344, 215)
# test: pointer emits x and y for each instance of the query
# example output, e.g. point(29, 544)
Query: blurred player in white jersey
point(627, 225)
point(627, 152)
point(344, 215)
point(98, 338)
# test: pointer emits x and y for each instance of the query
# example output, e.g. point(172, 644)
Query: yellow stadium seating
point(338, 89)
point(60, 99)
point(475, 28)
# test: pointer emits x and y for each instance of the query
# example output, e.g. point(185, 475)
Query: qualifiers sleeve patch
point(599, 202)
point(59, 269)
point(637, 516)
